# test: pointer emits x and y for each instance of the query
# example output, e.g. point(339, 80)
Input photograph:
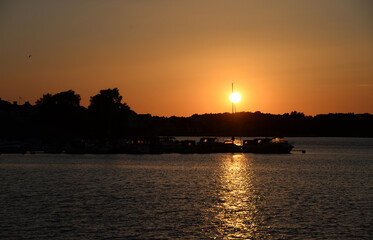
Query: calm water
point(324, 194)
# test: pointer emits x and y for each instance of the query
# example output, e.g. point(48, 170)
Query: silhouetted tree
point(107, 100)
point(109, 113)
point(67, 98)
point(47, 99)
point(60, 114)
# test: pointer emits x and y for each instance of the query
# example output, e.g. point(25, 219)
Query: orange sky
point(180, 57)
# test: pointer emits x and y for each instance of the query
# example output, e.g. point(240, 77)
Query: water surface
point(324, 194)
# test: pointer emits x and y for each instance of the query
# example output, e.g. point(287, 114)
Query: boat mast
point(232, 102)
point(232, 111)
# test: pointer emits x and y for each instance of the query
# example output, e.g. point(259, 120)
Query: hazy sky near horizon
point(180, 57)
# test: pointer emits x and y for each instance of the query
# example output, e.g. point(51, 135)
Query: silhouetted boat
point(53, 148)
point(188, 146)
point(266, 145)
point(168, 145)
point(212, 145)
point(153, 145)
point(12, 148)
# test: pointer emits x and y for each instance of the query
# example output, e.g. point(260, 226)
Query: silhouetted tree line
point(60, 117)
point(251, 124)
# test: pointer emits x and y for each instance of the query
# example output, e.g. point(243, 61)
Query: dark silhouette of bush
point(108, 114)
point(60, 118)
point(67, 99)
point(60, 115)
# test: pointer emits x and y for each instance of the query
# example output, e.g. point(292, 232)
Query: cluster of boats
point(156, 145)
point(257, 145)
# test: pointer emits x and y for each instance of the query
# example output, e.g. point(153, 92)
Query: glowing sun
point(235, 97)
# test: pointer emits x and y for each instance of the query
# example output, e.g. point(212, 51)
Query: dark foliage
point(60, 117)
point(260, 124)
point(108, 115)
point(67, 99)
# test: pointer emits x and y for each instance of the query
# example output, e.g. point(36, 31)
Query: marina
point(152, 145)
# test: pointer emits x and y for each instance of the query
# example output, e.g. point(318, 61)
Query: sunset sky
point(180, 57)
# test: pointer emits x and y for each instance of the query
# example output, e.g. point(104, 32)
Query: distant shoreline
point(60, 118)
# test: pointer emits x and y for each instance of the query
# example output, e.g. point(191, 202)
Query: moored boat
point(267, 145)
point(212, 145)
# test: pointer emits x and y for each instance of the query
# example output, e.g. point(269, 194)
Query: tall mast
point(232, 102)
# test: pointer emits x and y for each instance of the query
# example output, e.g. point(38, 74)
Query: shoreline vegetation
point(59, 119)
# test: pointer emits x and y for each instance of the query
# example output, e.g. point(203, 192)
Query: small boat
point(12, 148)
point(168, 145)
point(267, 145)
point(212, 145)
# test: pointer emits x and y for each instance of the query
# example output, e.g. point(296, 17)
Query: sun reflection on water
point(236, 207)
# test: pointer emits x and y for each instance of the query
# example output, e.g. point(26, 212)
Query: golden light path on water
point(237, 215)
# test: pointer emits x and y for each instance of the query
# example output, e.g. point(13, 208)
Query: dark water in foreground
point(324, 194)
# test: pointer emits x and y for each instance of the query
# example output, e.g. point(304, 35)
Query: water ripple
point(172, 196)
